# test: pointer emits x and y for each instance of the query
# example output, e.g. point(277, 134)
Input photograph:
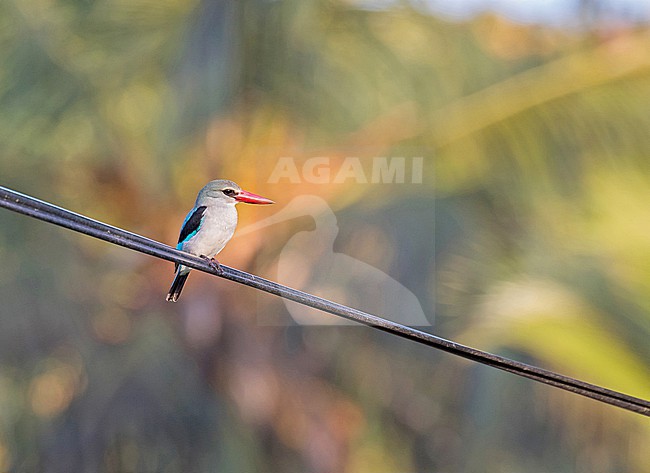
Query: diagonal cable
point(45, 211)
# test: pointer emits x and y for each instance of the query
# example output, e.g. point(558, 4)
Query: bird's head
point(227, 192)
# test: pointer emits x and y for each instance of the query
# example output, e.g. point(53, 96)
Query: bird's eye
point(229, 192)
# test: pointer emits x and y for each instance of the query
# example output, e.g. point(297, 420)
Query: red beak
point(250, 198)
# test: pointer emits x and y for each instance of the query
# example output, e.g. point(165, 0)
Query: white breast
point(217, 228)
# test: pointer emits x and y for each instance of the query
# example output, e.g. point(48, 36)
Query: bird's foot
point(214, 264)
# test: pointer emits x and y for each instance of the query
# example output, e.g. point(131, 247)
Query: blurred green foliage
point(529, 236)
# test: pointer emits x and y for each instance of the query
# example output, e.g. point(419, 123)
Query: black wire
point(32, 207)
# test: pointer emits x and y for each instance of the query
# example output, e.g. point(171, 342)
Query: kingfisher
point(210, 225)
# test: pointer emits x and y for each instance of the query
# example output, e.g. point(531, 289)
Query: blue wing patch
point(191, 225)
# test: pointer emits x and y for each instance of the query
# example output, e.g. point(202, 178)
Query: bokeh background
point(529, 235)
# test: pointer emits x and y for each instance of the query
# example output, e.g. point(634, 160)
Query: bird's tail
point(177, 286)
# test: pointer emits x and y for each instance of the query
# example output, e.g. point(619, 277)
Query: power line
point(45, 211)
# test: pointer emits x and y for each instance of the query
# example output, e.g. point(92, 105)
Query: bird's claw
point(214, 264)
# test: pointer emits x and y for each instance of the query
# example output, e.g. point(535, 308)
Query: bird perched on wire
point(210, 225)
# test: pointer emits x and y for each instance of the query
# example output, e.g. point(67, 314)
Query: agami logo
point(325, 170)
